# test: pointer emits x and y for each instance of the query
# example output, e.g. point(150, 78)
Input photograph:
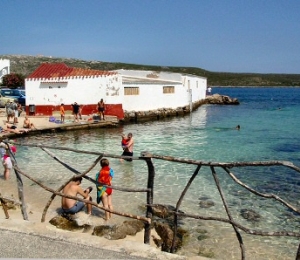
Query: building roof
point(61, 70)
point(133, 80)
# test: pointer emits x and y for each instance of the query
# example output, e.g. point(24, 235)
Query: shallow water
point(269, 131)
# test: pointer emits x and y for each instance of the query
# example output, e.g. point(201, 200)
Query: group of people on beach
point(104, 181)
point(77, 111)
point(13, 112)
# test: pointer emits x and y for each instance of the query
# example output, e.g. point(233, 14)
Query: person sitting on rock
point(71, 206)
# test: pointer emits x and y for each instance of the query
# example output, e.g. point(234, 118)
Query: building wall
point(187, 89)
point(47, 95)
point(152, 97)
point(197, 85)
point(82, 90)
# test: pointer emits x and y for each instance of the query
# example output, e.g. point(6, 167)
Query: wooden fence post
point(150, 186)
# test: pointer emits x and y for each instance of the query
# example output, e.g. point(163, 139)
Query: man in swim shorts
point(71, 206)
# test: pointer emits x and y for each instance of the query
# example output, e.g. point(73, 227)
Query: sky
point(252, 36)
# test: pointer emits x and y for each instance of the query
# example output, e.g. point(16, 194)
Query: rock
point(164, 211)
point(132, 227)
point(115, 232)
point(221, 100)
point(250, 215)
point(206, 204)
point(68, 223)
point(166, 234)
point(202, 234)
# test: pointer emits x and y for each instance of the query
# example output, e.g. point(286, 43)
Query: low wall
point(157, 114)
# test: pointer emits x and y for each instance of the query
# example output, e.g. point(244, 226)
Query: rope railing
point(147, 157)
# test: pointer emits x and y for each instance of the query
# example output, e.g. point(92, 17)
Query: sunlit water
point(269, 120)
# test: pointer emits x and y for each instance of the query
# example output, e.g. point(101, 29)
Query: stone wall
point(157, 114)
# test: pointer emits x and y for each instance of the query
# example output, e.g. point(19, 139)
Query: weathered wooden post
point(178, 205)
point(150, 185)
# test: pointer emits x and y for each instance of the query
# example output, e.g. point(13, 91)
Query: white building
point(122, 90)
point(4, 68)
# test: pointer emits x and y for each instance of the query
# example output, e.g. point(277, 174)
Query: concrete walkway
point(43, 124)
point(34, 239)
point(15, 244)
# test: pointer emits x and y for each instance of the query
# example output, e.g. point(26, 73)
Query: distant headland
point(25, 64)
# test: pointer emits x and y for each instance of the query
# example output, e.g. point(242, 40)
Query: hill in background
point(23, 64)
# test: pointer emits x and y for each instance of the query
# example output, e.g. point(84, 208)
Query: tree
point(13, 80)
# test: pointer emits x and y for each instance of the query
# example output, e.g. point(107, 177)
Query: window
point(131, 91)
point(168, 89)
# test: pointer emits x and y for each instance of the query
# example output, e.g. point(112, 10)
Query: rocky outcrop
point(114, 232)
point(111, 232)
point(221, 100)
point(166, 234)
point(69, 223)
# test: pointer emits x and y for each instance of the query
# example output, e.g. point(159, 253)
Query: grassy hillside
point(25, 65)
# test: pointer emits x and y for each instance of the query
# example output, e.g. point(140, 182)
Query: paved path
point(33, 239)
point(20, 245)
point(43, 124)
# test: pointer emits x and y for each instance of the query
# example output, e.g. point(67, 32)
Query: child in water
point(124, 142)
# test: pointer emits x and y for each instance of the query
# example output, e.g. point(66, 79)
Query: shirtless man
point(70, 206)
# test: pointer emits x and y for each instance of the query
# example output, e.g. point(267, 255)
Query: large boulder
point(166, 235)
point(70, 223)
point(221, 100)
point(115, 232)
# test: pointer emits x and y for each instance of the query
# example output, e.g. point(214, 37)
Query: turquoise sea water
point(269, 120)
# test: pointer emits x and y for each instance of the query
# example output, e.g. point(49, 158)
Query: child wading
point(104, 193)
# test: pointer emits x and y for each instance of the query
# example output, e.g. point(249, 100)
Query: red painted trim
point(47, 110)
